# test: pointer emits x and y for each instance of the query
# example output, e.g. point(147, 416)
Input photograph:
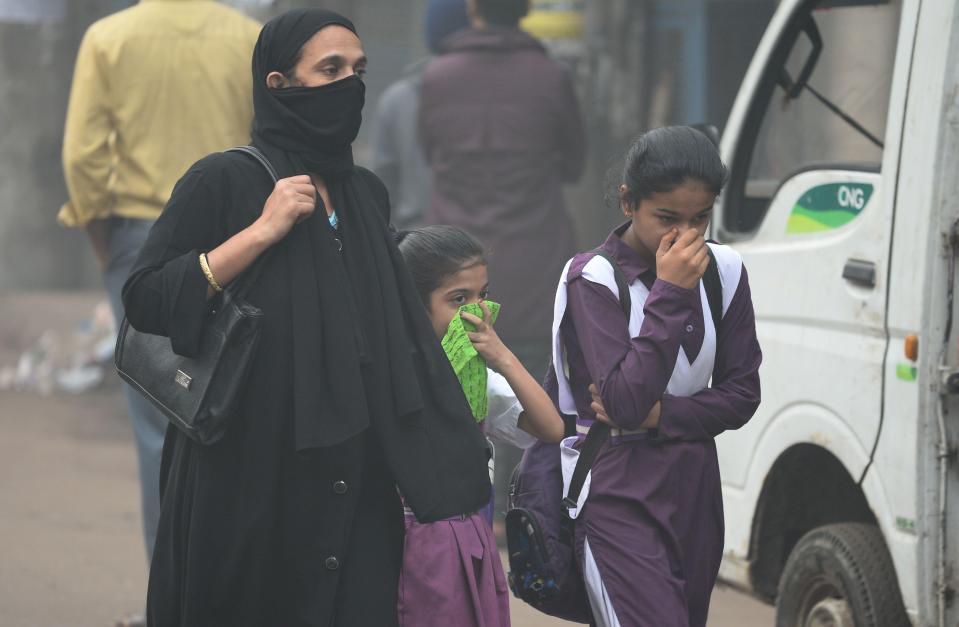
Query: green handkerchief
point(469, 365)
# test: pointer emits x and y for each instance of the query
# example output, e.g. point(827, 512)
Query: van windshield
point(854, 72)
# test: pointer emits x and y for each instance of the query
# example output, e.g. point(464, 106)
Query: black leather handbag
point(200, 394)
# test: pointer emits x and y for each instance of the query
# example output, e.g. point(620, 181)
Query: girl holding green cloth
point(451, 573)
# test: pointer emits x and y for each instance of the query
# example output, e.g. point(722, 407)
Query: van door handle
point(860, 272)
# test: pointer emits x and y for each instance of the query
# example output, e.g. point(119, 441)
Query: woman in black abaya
point(293, 517)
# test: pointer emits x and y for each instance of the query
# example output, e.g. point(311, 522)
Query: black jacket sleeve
point(166, 293)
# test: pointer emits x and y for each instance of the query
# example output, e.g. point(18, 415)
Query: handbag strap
point(240, 287)
point(257, 154)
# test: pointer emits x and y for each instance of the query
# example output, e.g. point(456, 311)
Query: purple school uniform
point(452, 574)
point(650, 532)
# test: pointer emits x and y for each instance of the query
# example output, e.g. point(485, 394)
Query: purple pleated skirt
point(452, 575)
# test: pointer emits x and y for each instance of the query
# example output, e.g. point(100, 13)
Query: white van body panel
point(927, 204)
point(835, 374)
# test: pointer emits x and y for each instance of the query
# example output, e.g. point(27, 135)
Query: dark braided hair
point(435, 253)
point(660, 160)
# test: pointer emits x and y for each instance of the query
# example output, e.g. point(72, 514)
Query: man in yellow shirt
point(156, 87)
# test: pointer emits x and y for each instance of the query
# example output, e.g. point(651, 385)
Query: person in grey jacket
point(397, 157)
point(501, 128)
point(502, 132)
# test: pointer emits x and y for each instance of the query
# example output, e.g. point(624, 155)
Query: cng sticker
point(828, 207)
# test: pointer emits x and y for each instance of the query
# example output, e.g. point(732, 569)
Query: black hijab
point(315, 126)
point(363, 349)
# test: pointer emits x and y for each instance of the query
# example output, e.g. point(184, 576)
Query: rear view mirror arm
point(795, 88)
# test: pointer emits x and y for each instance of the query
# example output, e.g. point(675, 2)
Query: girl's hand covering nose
point(486, 341)
point(682, 259)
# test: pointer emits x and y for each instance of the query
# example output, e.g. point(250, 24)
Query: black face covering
point(315, 125)
point(332, 112)
point(363, 348)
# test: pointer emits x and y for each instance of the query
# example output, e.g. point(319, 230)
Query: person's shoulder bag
point(200, 394)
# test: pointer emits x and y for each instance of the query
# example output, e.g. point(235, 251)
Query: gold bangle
point(205, 266)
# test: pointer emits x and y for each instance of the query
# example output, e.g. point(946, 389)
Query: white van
point(842, 493)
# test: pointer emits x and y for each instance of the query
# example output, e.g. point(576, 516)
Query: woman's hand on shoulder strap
point(292, 201)
point(682, 259)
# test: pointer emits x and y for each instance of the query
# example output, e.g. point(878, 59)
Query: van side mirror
point(794, 87)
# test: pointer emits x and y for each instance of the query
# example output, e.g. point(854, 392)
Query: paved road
point(69, 518)
point(728, 609)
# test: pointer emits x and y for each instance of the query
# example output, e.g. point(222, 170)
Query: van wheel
point(840, 576)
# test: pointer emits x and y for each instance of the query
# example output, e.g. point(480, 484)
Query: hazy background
point(73, 553)
point(638, 64)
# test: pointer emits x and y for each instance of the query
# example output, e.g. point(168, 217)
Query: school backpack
point(540, 534)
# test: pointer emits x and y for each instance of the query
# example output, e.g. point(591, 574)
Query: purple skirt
point(452, 575)
point(654, 523)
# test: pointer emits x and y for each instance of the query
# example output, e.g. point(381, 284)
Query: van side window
point(789, 129)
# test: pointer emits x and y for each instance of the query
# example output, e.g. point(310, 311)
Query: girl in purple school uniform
point(451, 573)
point(649, 521)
